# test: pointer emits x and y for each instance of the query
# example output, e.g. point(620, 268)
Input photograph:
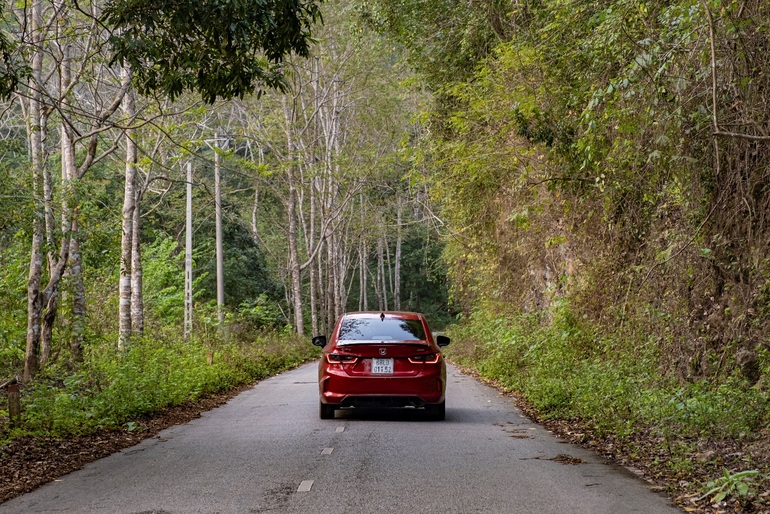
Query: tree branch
point(721, 133)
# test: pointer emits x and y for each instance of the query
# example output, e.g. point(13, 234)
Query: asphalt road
point(268, 451)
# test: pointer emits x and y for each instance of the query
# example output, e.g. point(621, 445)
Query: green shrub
point(113, 388)
point(612, 382)
point(14, 264)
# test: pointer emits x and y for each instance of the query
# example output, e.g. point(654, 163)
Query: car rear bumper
point(348, 391)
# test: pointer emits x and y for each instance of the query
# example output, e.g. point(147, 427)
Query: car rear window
point(375, 329)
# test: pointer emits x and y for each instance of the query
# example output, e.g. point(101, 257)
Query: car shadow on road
point(453, 415)
point(415, 415)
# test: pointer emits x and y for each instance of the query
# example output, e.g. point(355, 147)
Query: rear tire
point(326, 411)
point(436, 411)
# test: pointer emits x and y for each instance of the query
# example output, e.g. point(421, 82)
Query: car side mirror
point(443, 341)
point(319, 341)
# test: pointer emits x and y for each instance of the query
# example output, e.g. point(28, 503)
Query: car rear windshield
point(375, 329)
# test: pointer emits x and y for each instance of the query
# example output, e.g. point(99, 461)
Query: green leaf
point(719, 497)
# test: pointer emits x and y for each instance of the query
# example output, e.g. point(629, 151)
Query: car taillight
point(336, 358)
point(430, 358)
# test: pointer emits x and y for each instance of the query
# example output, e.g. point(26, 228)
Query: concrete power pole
point(188, 292)
point(220, 258)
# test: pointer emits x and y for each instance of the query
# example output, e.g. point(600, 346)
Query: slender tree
point(127, 233)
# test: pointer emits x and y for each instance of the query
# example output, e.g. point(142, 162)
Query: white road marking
point(340, 429)
point(327, 451)
point(305, 486)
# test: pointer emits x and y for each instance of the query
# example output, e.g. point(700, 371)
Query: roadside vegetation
point(569, 370)
point(114, 389)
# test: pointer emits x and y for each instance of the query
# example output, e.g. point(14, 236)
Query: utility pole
point(188, 293)
point(220, 259)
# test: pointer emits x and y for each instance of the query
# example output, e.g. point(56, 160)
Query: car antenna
point(382, 316)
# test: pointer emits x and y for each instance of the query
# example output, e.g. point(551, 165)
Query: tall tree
point(35, 127)
point(128, 232)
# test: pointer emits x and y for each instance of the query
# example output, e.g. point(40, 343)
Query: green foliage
point(569, 372)
point(12, 68)
point(14, 265)
point(247, 277)
point(218, 48)
point(468, 32)
point(728, 409)
point(163, 277)
point(739, 484)
point(114, 388)
point(261, 314)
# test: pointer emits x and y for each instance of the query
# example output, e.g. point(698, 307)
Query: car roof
point(388, 314)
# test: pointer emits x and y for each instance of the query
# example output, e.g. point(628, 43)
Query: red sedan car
point(382, 359)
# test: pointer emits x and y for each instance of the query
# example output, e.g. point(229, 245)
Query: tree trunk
point(363, 265)
point(46, 332)
point(361, 278)
point(69, 203)
point(255, 208)
point(313, 271)
point(296, 285)
point(397, 264)
point(322, 306)
point(35, 130)
point(381, 289)
point(328, 294)
point(77, 337)
point(314, 299)
point(291, 210)
point(137, 293)
point(129, 205)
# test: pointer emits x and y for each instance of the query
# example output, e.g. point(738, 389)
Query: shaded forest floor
point(28, 463)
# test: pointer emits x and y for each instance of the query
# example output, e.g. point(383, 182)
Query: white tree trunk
point(127, 235)
point(78, 294)
point(137, 292)
point(35, 131)
point(69, 210)
point(296, 283)
point(322, 306)
point(381, 289)
point(361, 278)
point(397, 264)
point(314, 286)
point(291, 212)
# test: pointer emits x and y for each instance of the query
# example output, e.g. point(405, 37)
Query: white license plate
point(382, 366)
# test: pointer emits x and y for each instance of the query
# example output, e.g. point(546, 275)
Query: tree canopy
point(217, 48)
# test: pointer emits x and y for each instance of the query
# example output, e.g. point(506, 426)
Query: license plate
point(382, 366)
